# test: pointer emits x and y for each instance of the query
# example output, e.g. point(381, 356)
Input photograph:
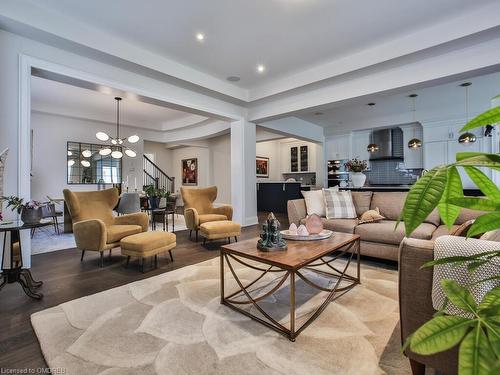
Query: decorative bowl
point(324, 234)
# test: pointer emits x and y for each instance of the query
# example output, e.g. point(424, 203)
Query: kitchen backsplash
point(307, 178)
point(385, 172)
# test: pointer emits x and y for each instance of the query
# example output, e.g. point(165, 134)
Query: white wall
point(50, 136)
point(271, 150)
point(214, 163)
point(162, 155)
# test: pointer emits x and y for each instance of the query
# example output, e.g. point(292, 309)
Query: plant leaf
point(494, 336)
point(423, 197)
point(495, 369)
point(491, 116)
point(439, 334)
point(459, 295)
point(483, 183)
point(490, 299)
point(461, 258)
point(481, 160)
point(474, 203)
point(453, 189)
point(473, 266)
point(485, 223)
point(475, 354)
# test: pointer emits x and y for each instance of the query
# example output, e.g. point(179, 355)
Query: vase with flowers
point(31, 212)
point(357, 167)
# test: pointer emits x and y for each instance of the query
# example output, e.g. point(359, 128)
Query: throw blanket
point(448, 246)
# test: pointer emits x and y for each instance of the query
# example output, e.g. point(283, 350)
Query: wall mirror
point(86, 166)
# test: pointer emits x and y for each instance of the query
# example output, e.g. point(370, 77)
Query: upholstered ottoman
point(147, 244)
point(214, 230)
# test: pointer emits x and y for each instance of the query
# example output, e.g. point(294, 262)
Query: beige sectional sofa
point(379, 239)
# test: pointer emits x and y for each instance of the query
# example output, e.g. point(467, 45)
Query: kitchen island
point(272, 196)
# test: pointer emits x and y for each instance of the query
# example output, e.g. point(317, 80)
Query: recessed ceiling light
point(371, 104)
point(200, 37)
point(233, 78)
point(261, 68)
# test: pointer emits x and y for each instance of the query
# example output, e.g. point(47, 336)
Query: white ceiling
point(433, 103)
point(55, 97)
point(288, 36)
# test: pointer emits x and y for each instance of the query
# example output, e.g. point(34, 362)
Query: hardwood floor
point(66, 278)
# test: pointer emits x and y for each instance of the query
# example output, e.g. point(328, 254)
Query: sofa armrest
point(90, 234)
point(224, 210)
point(296, 210)
point(191, 217)
point(138, 218)
point(415, 299)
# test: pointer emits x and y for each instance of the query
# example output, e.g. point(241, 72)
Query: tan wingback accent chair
point(94, 226)
point(199, 209)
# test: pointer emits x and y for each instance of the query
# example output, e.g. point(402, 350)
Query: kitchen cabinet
point(338, 147)
point(298, 157)
point(447, 131)
point(360, 140)
point(413, 157)
point(444, 152)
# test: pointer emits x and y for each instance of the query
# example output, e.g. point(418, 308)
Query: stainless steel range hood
point(390, 144)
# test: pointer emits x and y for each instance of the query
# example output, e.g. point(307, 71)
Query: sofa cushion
point(468, 214)
point(361, 200)
point(337, 225)
point(391, 204)
point(315, 203)
point(371, 216)
point(383, 232)
point(339, 204)
point(443, 230)
point(117, 232)
point(211, 217)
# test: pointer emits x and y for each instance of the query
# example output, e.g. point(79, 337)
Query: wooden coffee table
point(301, 258)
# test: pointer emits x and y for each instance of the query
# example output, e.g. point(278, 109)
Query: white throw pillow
point(339, 204)
point(315, 203)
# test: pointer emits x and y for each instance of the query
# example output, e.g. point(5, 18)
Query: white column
point(243, 180)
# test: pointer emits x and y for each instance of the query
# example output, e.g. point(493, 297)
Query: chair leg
point(190, 233)
point(32, 232)
point(235, 239)
point(171, 256)
point(110, 253)
point(417, 368)
point(156, 260)
point(127, 262)
point(57, 225)
point(142, 265)
point(83, 253)
point(102, 259)
point(229, 239)
point(204, 241)
point(196, 236)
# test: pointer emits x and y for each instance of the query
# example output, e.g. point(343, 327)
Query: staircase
point(153, 175)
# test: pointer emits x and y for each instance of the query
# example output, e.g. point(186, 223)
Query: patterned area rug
point(174, 324)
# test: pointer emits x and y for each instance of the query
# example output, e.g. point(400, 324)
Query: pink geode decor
point(292, 229)
point(314, 224)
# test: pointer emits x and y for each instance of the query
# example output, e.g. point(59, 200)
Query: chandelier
point(116, 143)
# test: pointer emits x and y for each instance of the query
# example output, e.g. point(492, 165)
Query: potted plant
point(478, 337)
point(153, 195)
point(31, 212)
point(357, 167)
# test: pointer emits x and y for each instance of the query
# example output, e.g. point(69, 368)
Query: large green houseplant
point(478, 337)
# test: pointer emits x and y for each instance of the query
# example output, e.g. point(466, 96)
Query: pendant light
point(372, 147)
point(467, 137)
point(414, 143)
point(113, 148)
